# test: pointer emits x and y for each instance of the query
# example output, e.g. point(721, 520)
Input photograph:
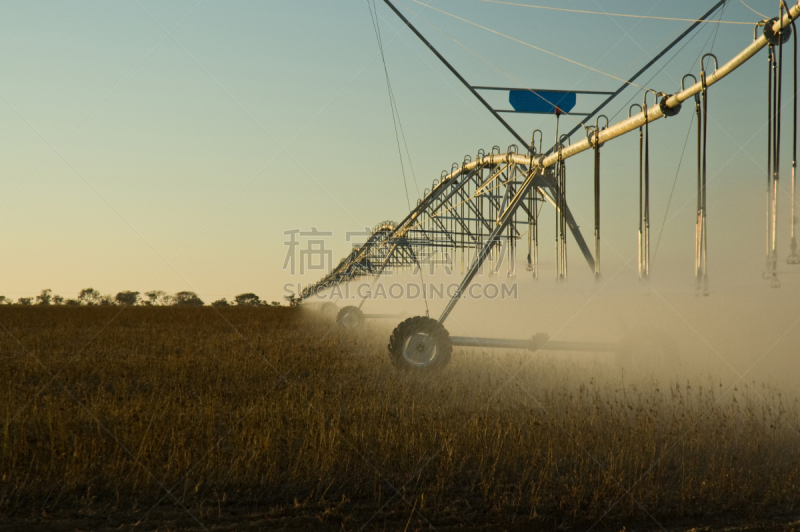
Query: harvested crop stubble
point(101, 416)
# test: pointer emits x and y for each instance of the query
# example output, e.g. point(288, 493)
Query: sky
point(151, 145)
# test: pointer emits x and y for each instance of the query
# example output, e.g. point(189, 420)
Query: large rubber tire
point(350, 317)
point(329, 309)
point(420, 344)
point(648, 350)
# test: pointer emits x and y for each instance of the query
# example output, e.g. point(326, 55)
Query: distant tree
point(89, 296)
point(158, 297)
point(220, 303)
point(187, 299)
point(72, 302)
point(106, 300)
point(247, 300)
point(25, 301)
point(58, 300)
point(275, 304)
point(293, 300)
point(127, 298)
point(45, 298)
point(4, 300)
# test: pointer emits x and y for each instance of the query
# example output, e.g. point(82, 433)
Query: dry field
point(268, 418)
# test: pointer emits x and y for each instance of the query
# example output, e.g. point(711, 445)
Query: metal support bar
point(540, 342)
point(455, 73)
point(571, 113)
point(539, 90)
point(531, 344)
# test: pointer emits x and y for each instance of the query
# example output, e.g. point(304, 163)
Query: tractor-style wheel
point(350, 317)
point(420, 344)
point(329, 309)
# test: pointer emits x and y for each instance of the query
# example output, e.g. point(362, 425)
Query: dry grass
point(192, 401)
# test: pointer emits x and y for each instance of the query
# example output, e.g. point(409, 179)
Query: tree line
point(153, 298)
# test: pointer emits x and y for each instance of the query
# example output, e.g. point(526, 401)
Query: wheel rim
point(349, 320)
point(420, 350)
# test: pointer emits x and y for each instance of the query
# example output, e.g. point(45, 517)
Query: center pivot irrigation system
point(485, 208)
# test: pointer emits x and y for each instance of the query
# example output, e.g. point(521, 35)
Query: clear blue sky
point(168, 146)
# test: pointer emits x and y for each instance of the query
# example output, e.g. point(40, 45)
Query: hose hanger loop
point(533, 147)
point(513, 148)
point(703, 83)
point(533, 141)
point(703, 63)
point(631, 107)
point(644, 102)
point(591, 135)
point(598, 129)
point(683, 87)
point(495, 147)
point(481, 154)
point(467, 159)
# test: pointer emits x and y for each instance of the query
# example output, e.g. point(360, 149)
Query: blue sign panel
point(525, 101)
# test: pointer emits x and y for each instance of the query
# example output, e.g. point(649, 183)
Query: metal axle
point(539, 342)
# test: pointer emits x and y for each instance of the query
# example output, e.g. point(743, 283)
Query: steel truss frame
point(456, 222)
